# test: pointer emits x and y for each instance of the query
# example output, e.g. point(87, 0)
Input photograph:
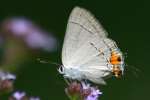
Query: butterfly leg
point(68, 81)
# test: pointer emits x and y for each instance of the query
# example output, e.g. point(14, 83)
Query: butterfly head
point(70, 72)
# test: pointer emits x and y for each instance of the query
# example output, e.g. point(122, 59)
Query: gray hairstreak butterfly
point(87, 52)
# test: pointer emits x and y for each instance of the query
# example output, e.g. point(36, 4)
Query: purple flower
point(94, 94)
point(19, 95)
point(90, 93)
point(22, 96)
point(82, 91)
point(29, 32)
point(37, 39)
point(19, 26)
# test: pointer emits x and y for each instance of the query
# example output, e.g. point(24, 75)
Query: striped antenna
point(46, 62)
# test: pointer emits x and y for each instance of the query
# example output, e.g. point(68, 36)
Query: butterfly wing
point(86, 46)
point(81, 28)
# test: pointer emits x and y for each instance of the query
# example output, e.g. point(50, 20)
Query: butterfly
point(87, 53)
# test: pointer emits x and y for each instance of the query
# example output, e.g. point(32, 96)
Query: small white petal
point(85, 86)
point(6, 75)
point(34, 98)
point(19, 95)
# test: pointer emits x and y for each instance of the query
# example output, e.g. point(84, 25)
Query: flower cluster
point(6, 85)
point(82, 91)
point(30, 33)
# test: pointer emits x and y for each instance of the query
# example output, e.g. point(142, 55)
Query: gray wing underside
point(84, 36)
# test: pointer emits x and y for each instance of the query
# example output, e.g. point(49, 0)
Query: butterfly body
point(73, 73)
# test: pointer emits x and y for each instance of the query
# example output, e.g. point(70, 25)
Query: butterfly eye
point(61, 69)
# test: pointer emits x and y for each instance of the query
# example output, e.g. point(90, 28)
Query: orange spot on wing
point(115, 58)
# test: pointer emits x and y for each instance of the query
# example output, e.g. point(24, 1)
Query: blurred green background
point(127, 22)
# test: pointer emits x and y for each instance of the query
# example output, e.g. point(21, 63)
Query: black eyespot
point(113, 73)
point(120, 72)
point(119, 59)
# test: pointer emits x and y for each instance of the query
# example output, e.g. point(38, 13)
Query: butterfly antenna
point(136, 71)
point(47, 62)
